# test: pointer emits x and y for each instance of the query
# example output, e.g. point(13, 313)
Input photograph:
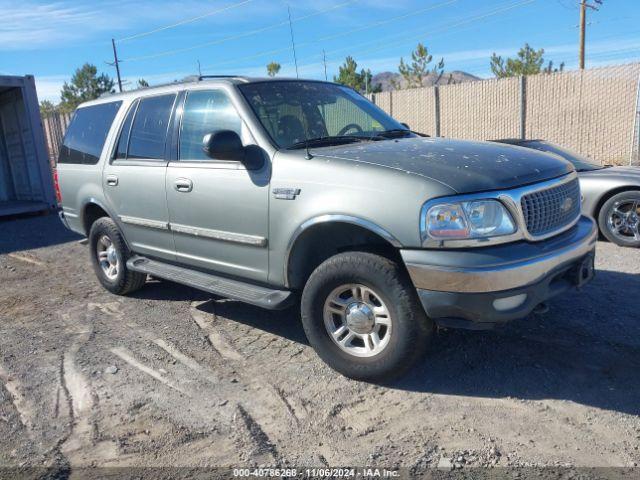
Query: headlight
point(475, 219)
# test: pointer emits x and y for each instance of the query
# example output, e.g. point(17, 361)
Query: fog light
point(508, 303)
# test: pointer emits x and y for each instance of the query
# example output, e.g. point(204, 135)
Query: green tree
point(528, 61)
point(415, 73)
point(361, 81)
point(273, 69)
point(142, 83)
point(47, 108)
point(85, 85)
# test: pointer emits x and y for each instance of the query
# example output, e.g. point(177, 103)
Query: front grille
point(552, 209)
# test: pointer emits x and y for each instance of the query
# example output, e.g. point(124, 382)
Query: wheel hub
point(357, 320)
point(624, 221)
point(112, 257)
point(108, 257)
point(360, 318)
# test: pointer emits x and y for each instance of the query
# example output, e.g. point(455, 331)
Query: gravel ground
point(171, 376)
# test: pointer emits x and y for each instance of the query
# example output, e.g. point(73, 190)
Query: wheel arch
point(94, 209)
point(610, 193)
point(320, 237)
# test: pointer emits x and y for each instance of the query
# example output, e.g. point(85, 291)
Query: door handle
point(183, 185)
point(112, 180)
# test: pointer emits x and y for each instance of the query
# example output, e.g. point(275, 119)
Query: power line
point(384, 22)
point(437, 30)
point(341, 34)
point(505, 7)
point(237, 36)
point(184, 22)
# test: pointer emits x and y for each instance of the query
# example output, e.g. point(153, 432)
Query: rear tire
point(362, 316)
point(109, 255)
point(619, 219)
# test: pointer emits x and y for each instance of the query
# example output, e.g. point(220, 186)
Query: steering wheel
point(351, 126)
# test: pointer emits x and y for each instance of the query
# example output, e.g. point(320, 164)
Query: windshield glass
point(293, 112)
point(580, 163)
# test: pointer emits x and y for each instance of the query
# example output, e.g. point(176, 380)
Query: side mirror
point(223, 145)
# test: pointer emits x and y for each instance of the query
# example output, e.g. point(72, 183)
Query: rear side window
point(123, 141)
point(149, 130)
point(87, 132)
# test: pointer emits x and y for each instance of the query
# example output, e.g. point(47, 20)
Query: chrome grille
point(552, 209)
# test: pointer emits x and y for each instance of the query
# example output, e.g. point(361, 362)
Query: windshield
point(294, 112)
point(581, 164)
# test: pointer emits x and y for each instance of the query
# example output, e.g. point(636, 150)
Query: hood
point(464, 166)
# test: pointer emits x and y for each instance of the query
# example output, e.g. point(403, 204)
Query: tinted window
point(205, 112)
point(149, 130)
point(123, 141)
point(87, 132)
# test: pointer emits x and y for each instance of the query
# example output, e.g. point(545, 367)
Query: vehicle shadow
point(283, 323)
point(585, 350)
point(29, 232)
point(165, 290)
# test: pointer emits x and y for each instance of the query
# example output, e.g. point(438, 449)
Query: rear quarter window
point(87, 133)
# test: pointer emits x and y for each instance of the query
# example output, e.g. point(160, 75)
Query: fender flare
point(334, 218)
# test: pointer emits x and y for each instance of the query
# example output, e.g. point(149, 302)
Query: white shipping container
point(26, 183)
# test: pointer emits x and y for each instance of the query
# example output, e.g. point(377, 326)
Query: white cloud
point(48, 87)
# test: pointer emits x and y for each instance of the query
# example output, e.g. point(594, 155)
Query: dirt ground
point(170, 376)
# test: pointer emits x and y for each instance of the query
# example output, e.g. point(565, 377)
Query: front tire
point(362, 316)
point(109, 255)
point(619, 219)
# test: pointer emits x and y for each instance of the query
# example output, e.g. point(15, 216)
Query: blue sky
point(51, 39)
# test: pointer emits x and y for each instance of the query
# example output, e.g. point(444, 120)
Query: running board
point(245, 292)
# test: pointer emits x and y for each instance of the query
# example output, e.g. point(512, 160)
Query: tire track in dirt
point(267, 414)
point(24, 409)
point(80, 443)
point(128, 357)
point(260, 406)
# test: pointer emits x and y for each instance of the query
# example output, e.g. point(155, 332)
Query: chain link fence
point(593, 112)
point(55, 125)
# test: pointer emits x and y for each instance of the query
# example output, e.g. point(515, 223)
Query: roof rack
point(187, 79)
point(205, 77)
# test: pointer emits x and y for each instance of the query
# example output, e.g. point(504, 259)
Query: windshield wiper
point(394, 133)
point(326, 141)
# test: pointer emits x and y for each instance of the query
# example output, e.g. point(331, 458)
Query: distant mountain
point(385, 79)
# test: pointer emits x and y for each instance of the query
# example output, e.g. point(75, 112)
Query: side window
point(123, 140)
point(87, 133)
point(205, 112)
point(149, 129)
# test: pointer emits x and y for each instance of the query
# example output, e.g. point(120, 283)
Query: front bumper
point(459, 288)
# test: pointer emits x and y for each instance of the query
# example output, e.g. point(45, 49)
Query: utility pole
point(583, 18)
point(324, 60)
point(199, 69)
point(293, 43)
point(116, 63)
point(583, 27)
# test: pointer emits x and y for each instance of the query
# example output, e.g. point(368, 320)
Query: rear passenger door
point(134, 179)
